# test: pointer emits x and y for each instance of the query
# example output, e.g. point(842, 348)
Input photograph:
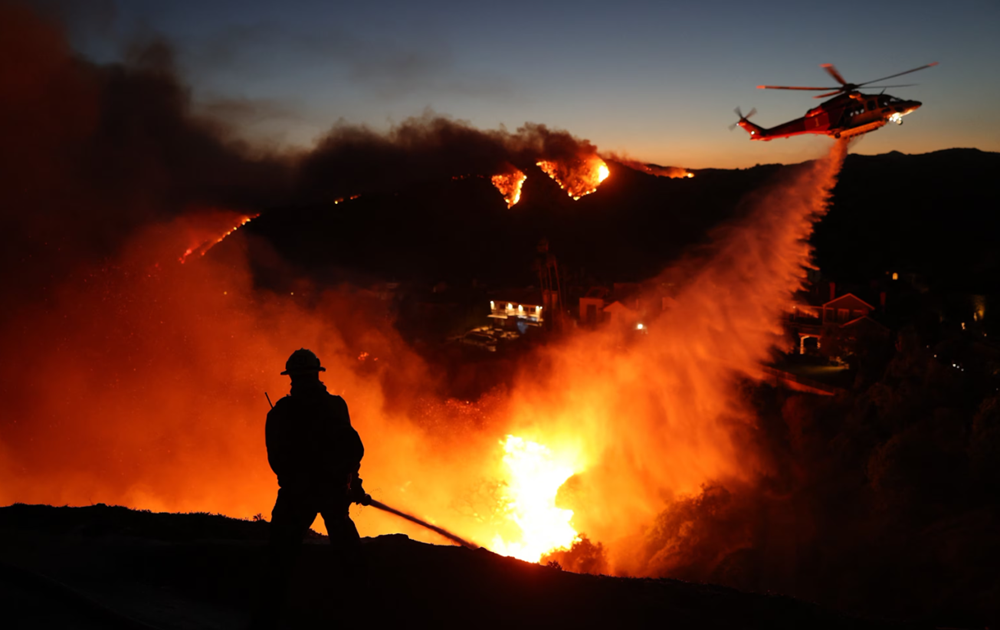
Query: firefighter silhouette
point(316, 454)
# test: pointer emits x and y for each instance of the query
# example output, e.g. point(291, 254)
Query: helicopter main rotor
point(844, 85)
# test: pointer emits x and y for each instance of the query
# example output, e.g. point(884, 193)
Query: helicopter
point(849, 113)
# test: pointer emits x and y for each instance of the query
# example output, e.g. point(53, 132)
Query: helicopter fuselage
point(845, 115)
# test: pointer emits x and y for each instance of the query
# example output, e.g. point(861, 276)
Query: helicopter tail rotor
point(743, 118)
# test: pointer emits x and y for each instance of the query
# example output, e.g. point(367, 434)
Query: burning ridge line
point(670, 172)
point(577, 179)
point(508, 183)
point(203, 248)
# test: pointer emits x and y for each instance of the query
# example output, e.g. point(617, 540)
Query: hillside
point(110, 567)
point(931, 214)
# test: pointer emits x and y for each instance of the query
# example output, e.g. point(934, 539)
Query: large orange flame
point(509, 185)
point(578, 177)
point(534, 476)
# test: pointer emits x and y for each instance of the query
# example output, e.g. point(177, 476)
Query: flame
point(509, 185)
point(534, 476)
point(671, 172)
point(579, 178)
point(204, 244)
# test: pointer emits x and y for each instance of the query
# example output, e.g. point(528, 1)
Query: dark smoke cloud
point(93, 152)
point(243, 113)
point(354, 159)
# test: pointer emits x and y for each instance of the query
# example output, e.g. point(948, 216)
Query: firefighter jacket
point(311, 445)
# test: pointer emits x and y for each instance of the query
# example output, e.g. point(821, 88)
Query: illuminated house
point(811, 322)
point(517, 309)
point(845, 309)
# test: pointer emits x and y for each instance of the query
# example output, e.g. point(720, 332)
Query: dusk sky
point(655, 81)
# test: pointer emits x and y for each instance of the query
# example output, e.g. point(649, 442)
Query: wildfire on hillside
point(509, 185)
point(578, 177)
point(204, 243)
point(672, 172)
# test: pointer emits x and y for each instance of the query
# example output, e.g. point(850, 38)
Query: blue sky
point(657, 81)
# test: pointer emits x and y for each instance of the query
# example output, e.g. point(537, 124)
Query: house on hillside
point(517, 309)
point(592, 306)
point(845, 308)
point(845, 319)
point(623, 305)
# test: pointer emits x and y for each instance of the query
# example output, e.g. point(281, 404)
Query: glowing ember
point(202, 248)
point(340, 200)
point(534, 479)
point(509, 185)
point(579, 178)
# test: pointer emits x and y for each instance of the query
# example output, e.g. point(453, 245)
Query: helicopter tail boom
point(756, 131)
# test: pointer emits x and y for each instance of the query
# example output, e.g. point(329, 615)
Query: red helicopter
point(848, 113)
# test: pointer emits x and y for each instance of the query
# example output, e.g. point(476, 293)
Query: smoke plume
point(354, 159)
point(93, 153)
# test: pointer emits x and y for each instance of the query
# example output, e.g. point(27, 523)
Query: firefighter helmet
point(303, 360)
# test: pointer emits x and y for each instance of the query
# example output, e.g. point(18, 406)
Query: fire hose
point(413, 519)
